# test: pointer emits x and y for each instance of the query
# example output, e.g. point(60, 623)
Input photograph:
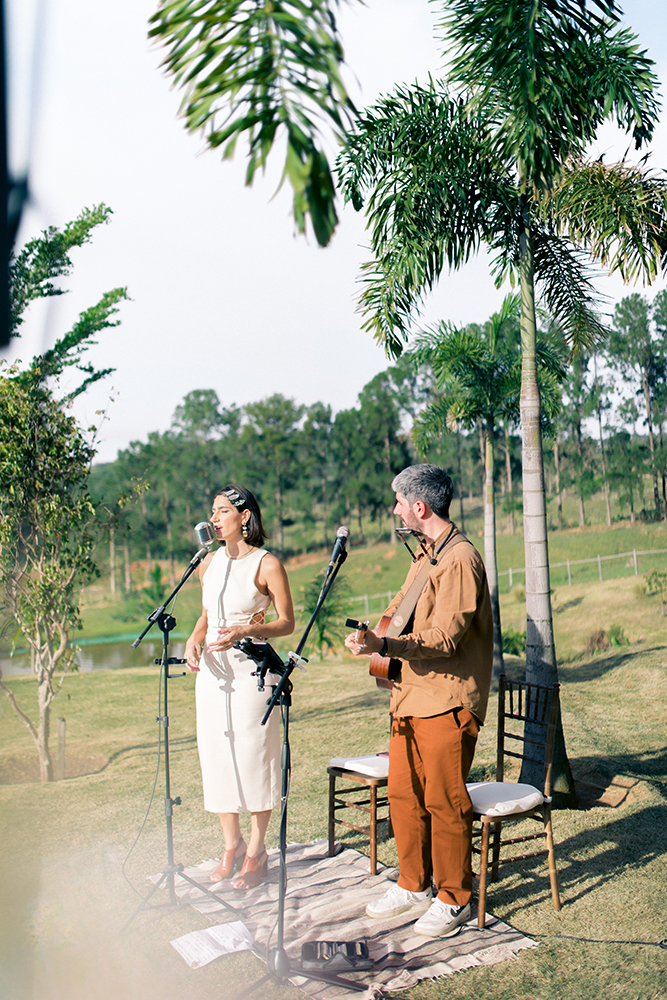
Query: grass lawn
point(63, 845)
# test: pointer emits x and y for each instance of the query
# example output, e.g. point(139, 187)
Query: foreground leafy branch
point(263, 72)
point(48, 523)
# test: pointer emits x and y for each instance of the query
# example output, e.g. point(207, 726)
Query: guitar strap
point(409, 600)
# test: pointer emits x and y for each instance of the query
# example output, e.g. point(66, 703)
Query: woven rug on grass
point(326, 900)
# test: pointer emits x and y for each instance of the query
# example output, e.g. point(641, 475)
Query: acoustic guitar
point(384, 669)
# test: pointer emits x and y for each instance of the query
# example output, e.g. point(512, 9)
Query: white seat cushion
point(375, 765)
point(500, 798)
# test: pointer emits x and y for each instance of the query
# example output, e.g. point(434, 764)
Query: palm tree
point(500, 162)
point(478, 373)
point(548, 76)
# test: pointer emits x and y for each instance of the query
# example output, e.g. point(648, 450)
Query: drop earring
point(244, 529)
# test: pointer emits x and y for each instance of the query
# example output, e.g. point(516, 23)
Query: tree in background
point(329, 626)
point(270, 437)
point(578, 406)
point(48, 523)
point(626, 457)
point(314, 484)
point(637, 350)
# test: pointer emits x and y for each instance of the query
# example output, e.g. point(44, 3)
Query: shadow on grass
point(598, 666)
point(587, 861)
point(184, 743)
point(648, 765)
point(374, 699)
point(568, 605)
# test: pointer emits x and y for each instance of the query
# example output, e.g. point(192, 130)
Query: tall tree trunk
point(146, 530)
point(511, 527)
point(662, 473)
point(128, 566)
point(279, 514)
point(482, 452)
point(580, 452)
point(170, 539)
point(325, 515)
point(490, 559)
point(598, 410)
point(541, 667)
point(112, 560)
point(651, 441)
point(457, 435)
point(559, 492)
point(45, 697)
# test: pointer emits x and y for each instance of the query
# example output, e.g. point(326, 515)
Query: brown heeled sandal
point(253, 872)
point(231, 861)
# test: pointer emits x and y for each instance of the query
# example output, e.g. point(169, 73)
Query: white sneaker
point(397, 900)
point(442, 920)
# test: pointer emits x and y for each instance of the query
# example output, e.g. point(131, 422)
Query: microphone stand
point(166, 623)
point(279, 964)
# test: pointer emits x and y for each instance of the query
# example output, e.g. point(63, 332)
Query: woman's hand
point(192, 655)
point(227, 637)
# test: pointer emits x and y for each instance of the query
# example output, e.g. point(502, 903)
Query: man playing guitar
point(438, 704)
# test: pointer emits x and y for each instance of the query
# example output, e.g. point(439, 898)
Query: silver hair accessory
point(234, 497)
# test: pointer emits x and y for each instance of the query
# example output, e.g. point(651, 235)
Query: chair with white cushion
point(533, 709)
point(362, 775)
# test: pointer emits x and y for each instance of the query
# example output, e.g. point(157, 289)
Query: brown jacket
point(448, 657)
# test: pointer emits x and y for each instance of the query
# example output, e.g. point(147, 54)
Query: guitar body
point(384, 669)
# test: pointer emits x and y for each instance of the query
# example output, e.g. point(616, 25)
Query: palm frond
point(434, 192)
point(254, 69)
point(618, 212)
point(556, 69)
point(565, 283)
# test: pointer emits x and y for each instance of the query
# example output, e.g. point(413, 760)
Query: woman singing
point(240, 758)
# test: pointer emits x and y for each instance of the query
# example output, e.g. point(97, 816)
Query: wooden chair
point(346, 797)
point(533, 709)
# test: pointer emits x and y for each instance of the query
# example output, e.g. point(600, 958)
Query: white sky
point(224, 295)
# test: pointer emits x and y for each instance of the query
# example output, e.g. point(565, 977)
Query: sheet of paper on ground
point(201, 947)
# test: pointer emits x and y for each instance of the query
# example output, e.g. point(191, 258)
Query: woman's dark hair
point(243, 499)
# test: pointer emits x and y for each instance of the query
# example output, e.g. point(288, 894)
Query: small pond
point(102, 654)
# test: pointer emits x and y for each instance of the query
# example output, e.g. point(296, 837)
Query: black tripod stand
point(166, 624)
point(279, 964)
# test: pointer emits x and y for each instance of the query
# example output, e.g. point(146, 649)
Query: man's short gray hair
point(428, 483)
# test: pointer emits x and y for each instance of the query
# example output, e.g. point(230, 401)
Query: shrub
point(519, 593)
point(640, 590)
point(597, 642)
point(617, 635)
point(514, 642)
point(656, 581)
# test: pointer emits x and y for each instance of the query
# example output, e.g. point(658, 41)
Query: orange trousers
point(431, 811)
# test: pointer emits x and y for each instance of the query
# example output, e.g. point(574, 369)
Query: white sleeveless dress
point(240, 758)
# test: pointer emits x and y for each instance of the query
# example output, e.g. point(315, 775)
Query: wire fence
point(597, 567)
point(566, 573)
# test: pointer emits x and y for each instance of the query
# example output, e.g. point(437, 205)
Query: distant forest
point(312, 469)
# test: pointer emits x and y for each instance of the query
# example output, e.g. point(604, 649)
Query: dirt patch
point(24, 769)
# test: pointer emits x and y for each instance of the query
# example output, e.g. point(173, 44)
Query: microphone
point(205, 534)
point(342, 536)
point(205, 537)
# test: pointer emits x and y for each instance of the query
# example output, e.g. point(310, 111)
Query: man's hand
point(371, 644)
